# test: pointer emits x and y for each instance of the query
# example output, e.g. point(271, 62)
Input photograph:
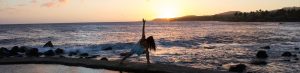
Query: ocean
point(200, 44)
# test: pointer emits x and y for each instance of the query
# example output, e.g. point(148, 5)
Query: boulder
point(238, 68)
point(22, 49)
point(49, 53)
point(104, 59)
point(33, 52)
point(265, 47)
point(59, 51)
point(14, 50)
point(262, 54)
point(4, 52)
point(107, 48)
point(84, 55)
point(286, 54)
point(72, 53)
point(48, 44)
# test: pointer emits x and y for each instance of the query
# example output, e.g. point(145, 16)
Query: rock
point(84, 55)
point(296, 48)
point(238, 68)
point(49, 53)
point(94, 56)
point(124, 53)
point(209, 47)
point(265, 47)
point(104, 59)
point(14, 50)
point(59, 51)
point(72, 53)
point(22, 49)
point(296, 59)
point(33, 52)
point(108, 48)
point(4, 52)
point(286, 54)
point(261, 62)
point(262, 54)
point(295, 55)
point(48, 44)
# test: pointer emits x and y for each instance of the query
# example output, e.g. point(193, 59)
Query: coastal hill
point(286, 14)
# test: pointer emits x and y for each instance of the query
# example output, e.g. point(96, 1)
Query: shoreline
point(110, 65)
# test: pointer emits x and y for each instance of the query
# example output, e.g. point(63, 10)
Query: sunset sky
point(65, 11)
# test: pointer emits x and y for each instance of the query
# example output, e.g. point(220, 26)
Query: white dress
point(137, 49)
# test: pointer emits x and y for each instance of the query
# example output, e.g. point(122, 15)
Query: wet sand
point(111, 65)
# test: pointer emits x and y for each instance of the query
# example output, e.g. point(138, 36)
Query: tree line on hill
point(288, 14)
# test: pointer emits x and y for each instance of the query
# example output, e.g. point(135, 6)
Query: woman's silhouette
point(142, 46)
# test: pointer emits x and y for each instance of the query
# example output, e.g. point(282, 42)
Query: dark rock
point(94, 56)
point(104, 59)
point(262, 54)
point(4, 52)
point(209, 47)
point(49, 53)
point(72, 53)
point(238, 68)
point(33, 52)
point(61, 56)
point(296, 59)
point(48, 44)
point(295, 55)
point(59, 51)
point(259, 63)
point(108, 48)
point(84, 55)
point(14, 50)
point(265, 47)
point(22, 49)
point(124, 53)
point(286, 54)
point(296, 48)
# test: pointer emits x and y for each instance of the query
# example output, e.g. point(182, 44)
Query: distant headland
point(286, 14)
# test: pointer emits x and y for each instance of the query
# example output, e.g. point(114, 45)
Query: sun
point(167, 12)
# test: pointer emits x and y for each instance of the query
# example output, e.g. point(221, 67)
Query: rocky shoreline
point(111, 65)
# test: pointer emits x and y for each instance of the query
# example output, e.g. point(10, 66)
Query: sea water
point(178, 43)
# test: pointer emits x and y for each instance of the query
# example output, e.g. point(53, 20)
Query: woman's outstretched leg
point(127, 56)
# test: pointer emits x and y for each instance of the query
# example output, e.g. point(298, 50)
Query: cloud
point(54, 3)
point(33, 1)
point(62, 1)
point(49, 4)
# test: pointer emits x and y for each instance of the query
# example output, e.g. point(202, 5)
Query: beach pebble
point(286, 54)
point(262, 54)
point(238, 68)
point(48, 44)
